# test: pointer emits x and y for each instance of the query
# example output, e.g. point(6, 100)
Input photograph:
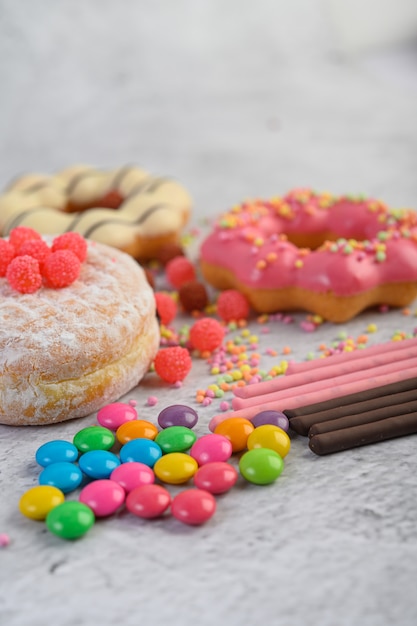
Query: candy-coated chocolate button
point(261, 466)
point(70, 520)
point(133, 474)
point(270, 436)
point(139, 429)
point(175, 468)
point(103, 497)
point(175, 439)
point(193, 506)
point(271, 417)
point(65, 476)
point(56, 451)
point(177, 415)
point(237, 430)
point(141, 450)
point(148, 501)
point(38, 501)
point(94, 438)
point(210, 448)
point(98, 463)
point(217, 477)
point(114, 415)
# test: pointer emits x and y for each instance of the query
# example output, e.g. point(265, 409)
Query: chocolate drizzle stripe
point(149, 185)
point(17, 221)
point(140, 220)
point(121, 175)
point(77, 178)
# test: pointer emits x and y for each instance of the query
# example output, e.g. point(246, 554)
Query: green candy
point(94, 438)
point(70, 520)
point(261, 466)
point(175, 439)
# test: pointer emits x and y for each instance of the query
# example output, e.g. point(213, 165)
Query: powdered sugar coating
point(66, 352)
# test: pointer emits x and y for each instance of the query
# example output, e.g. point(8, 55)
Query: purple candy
point(271, 417)
point(177, 415)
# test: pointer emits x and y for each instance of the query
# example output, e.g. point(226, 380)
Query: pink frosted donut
point(332, 256)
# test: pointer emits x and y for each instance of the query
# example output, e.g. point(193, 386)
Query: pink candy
point(114, 415)
point(103, 496)
point(133, 474)
point(211, 448)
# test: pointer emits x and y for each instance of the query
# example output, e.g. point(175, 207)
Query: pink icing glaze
point(375, 245)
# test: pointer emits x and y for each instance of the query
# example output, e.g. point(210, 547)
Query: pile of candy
point(127, 461)
point(28, 262)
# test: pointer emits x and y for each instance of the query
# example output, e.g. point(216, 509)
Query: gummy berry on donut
point(7, 253)
point(23, 274)
point(332, 256)
point(36, 248)
point(19, 235)
point(61, 269)
point(71, 241)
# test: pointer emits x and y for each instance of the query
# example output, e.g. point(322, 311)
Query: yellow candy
point(270, 436)
point(175, 468)
point(38, 501)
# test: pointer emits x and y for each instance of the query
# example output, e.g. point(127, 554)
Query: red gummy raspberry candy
point(20, 234)
point(7, 253)
point(206, 334)
point(172, 364)
point(23, 274)
point(166, 307)
point(36, 248)
point(71, 241)
point(232, 305)
point(179, 270)
point(61, 268)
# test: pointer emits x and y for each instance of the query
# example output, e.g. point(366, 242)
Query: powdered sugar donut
point(332, 256)
point(64, 353)
point(126, 208)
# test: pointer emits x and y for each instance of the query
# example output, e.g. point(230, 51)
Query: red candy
point(71, 241)
point(36, 248)
point(193, 506)
point(179, 270)
point(232, 306)
point(7, 253)
point(216, 477)
point(23, 274)
point(148, 501)
point(61, 268)
point(20, 234)
point(172, 364)
point(166, 307)
point(206, 334)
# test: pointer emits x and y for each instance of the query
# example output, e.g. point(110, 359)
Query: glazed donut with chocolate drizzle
point(126, 208)
point(332, 256)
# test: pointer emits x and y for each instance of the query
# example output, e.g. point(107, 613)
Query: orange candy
point(237, 430)
point(136, 429)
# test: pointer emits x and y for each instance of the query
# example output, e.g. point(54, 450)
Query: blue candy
point(56, 451)
point(98, 463)
point(141, 450)
point(65, 476)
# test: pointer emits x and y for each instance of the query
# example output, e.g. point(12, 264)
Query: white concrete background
point(236, 99)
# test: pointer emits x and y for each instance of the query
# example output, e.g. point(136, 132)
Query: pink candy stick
point(283, 383)
point(301, 373)
point(379, 348)
point(305, 399)
point(318, 385)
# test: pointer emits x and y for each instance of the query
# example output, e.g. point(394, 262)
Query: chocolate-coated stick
point(357, 436)
point(302, 424)
point(359, 396)
point(384, 412)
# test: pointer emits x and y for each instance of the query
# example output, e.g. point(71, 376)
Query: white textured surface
point(236, 100)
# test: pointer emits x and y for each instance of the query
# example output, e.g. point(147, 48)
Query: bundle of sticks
point(344, 401)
